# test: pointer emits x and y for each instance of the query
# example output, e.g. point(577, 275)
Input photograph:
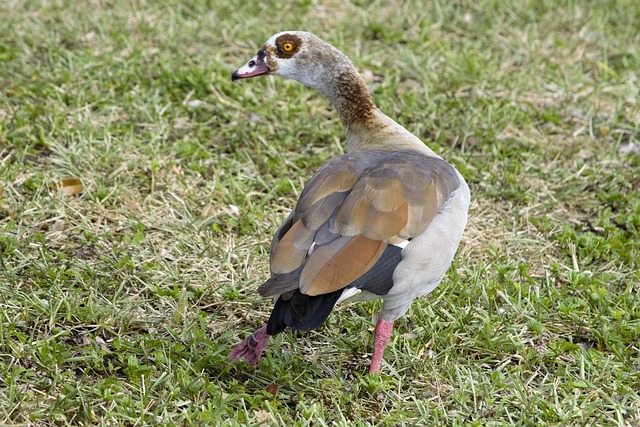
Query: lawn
point(140, 188)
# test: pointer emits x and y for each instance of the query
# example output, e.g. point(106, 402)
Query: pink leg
point(251, 348)
point(380, 341)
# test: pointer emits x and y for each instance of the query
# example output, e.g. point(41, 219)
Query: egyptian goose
point(382, 221)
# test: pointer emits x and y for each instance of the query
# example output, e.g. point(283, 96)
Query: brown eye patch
point(288, 45)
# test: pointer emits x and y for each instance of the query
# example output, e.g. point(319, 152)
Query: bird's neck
point(382, 133)
point(348, 93)
point(366, 127)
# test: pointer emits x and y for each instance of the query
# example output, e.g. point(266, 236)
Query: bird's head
point(297, 55)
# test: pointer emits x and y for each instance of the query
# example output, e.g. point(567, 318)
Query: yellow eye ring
point(287, 47)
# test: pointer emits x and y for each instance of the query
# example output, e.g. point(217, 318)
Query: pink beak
point(257, 66)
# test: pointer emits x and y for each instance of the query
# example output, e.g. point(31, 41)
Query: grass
point(120, 303)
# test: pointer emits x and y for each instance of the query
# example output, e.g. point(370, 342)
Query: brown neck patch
point(356, 105)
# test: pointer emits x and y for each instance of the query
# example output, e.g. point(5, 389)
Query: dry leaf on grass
point(262, 415)
point(69, 186)
point(273, 389)
point(103, 345)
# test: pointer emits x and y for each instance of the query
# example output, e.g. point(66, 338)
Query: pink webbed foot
point(380, 340)
point(251, 348)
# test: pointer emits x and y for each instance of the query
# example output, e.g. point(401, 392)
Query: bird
point(382, 221)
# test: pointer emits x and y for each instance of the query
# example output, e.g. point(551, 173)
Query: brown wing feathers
point(364, 212)
point(335, 265)
point(291, 251)
point(349, 212)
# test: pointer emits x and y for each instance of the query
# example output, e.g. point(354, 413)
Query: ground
point(140, 187)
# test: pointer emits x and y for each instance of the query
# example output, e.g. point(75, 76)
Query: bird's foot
point(251, 348)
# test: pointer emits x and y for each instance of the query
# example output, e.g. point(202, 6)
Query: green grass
point(119, 305)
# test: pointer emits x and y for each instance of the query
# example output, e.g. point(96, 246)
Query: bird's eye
point(287, 47)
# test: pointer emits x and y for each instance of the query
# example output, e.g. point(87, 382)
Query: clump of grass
point(120, 303)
